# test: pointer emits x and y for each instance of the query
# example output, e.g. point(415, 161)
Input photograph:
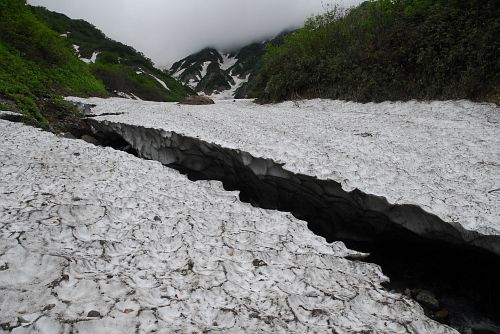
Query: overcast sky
point(168, 30)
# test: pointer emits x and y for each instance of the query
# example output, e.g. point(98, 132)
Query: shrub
point(389, 50)
point(35, 62)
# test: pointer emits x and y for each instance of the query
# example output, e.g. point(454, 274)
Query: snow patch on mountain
point(228, 61)
point(229, 94)
point(193, 83)
point(213, 73)
point(136, 97)
point(204, 69)
point(90, 60)
point(161, 82)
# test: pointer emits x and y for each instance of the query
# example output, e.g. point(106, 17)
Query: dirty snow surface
point(93, 240)
point(441, 156)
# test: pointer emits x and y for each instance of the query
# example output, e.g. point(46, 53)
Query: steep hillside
point(222, 74)
point(390, 50)
point(37, 65)
point(124, 71)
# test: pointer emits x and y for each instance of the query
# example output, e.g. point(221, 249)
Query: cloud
point(168, 30)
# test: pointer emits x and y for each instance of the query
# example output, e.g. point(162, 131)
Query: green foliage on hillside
point(117, 64)
point(123, 78)
point(36, 63)
point(389, 50)
point(250, 63)
point(89, 38)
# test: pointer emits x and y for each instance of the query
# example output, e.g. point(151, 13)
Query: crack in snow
point(131, 255)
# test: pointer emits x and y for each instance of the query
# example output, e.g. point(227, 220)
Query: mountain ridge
point(124, 71)
point(223, 74)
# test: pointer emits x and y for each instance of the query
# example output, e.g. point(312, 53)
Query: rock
point(197, 100)
point(427, 299)
point(259, 263)
point(67, 135)
point(11, 116)
point(94, 314)
point(48, 307)
point(83, 108)
point(441, 315)
point(90, 139)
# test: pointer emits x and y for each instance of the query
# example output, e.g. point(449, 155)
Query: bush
point(389, 50)
point(35, 62)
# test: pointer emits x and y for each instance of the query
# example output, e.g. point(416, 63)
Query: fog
point(168, 30)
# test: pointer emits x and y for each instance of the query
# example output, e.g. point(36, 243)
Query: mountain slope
point(222, 74)
point(37, 65)
point(124, 71)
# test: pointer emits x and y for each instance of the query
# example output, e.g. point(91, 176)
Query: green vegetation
point(36, 63)
point(117, 65)
point(389, 50)
point(6, 106)
point(250, 62)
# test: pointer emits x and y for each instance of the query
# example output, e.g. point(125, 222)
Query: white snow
point(85, 60)
point(441, 156)
point(8, 113)
point(193, 83)
point(228, 61)
point(229, 94)
point(178, 73)
point(204, 69)
point(180, 70)
point(92, 58)
point(84, 229)
point(136, 97)
point(161, 82)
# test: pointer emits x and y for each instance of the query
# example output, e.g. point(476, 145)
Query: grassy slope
point(390, 50)
point(117, 64)
point(36, 64)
